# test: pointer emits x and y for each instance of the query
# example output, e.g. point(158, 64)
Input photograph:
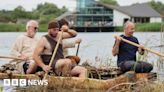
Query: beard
point(53, 35)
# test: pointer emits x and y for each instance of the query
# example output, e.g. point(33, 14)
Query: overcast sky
point(32, 4)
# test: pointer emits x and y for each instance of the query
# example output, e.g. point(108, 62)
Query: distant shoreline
point(140, 27)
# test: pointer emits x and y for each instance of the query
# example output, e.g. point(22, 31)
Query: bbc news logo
point(24, 82)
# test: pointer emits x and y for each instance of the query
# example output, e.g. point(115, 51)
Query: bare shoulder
point(42, 41)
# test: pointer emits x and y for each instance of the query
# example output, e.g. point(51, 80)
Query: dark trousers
point(138, 67)
point(26, 65)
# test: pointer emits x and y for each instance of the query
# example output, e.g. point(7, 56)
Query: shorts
point(26, 66)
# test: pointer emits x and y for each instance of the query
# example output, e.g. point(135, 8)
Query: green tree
point(6, 16)
point(44, 13)
point(19, 12)
point(158, 6)
point(48, 11)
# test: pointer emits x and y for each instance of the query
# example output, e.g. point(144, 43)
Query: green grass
point(148, 27)
point(43, 27)
point(143, 27)
point(7, 27)
point(118, 29)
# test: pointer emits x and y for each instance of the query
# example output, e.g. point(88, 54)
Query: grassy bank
point(144, 27)
point(10, 27)
point(148, 27)
point(7, 27)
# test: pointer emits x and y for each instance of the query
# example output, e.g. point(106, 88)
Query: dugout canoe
point(82, 83)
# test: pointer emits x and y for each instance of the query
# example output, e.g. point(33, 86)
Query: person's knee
point(147, 66)
point(83, 69)
point(129, 65)
point(83, 72)
point(68, 62)
point(61, 63)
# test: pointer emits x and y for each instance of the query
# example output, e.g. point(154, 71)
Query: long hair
point(63, 22)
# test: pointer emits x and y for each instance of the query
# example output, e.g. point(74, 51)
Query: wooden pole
point(77, 49)
point(147, 49)
point(54, 54)
point(9, 57)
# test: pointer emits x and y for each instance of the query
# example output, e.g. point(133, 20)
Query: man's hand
point(65, 28)
point(118, 39)
point(78, 41)
point(142, 46)
point(141, 49)
point(24, 57)
point(46, 68)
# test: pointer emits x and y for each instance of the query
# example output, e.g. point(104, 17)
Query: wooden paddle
point(9, 57)
point(147, 49)
point(77, 49)
point(54, 53)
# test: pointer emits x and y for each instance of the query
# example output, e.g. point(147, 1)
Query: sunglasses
point(36, 28)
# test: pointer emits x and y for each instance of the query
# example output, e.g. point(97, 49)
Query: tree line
point(48, 11)
point(43, 13)
point(158, 6)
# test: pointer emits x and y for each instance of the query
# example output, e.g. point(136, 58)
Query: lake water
point(95, 47)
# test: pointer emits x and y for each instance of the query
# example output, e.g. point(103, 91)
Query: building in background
point(93, 16)
point(137, 13)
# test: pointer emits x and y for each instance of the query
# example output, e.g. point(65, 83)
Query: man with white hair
point(24, 46)
point(127, 53)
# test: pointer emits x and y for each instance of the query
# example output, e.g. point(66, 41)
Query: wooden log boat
point(82, 83)
point(99, 78)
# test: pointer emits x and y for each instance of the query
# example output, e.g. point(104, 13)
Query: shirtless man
point(44, 51)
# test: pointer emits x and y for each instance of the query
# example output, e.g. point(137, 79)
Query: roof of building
point(64, 15)
point(135, 10)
